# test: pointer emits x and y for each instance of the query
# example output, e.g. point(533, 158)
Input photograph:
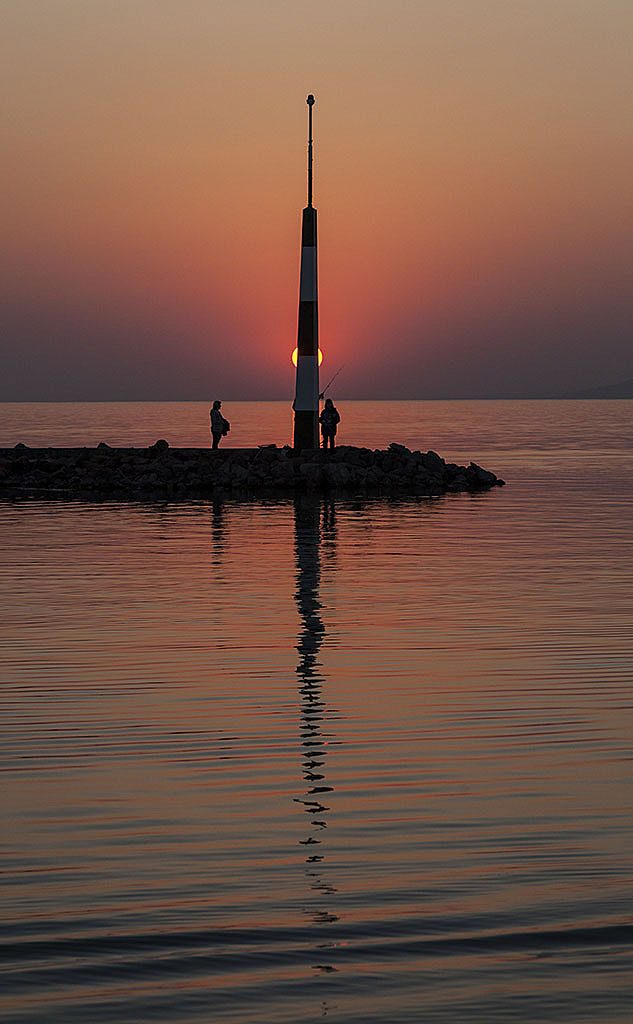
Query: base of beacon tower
point(306, 432)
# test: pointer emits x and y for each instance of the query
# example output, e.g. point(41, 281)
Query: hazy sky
point(473, 176)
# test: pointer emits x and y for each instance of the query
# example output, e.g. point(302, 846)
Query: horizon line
point(342, 398)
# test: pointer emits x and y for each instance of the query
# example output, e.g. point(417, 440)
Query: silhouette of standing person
point(329, 420)
point(219, 426)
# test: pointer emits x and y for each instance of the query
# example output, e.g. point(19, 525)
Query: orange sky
point(473, 165)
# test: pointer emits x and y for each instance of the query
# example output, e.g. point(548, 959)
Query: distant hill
point(622, 390)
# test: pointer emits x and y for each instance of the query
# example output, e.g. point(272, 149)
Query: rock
point(433, 461)
point(19, 447)
point(354, 457)
point(239, 476)
point(160, 446)
point(103, 444)
point(283, 472)
point(482, 476)
point(372, 477)
point(337, 474)
point(389, 462)
point(311, 474)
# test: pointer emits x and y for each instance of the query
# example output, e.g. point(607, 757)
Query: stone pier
point(160, 472)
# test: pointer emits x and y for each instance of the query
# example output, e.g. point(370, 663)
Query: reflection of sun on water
point(295, 356)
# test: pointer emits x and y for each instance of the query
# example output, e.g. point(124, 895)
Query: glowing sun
point(295, 356)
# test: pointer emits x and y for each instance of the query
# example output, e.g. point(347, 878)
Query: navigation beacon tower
point(306, 403)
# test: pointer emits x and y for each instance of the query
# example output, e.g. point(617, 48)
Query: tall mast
point(306, 403)
point(310, 102)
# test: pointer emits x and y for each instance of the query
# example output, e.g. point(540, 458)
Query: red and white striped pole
point(306, 403)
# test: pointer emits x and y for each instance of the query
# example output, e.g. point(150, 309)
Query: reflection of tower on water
point(309, 533)
point(218, 533)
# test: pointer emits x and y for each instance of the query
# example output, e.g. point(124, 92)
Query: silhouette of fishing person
point(329, 420)
point(219, 425)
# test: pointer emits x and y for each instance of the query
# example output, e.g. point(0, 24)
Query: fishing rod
point(331, 381)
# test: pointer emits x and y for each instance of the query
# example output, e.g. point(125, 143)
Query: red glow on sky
point(472, 179)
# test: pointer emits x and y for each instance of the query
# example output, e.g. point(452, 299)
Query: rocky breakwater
point(161, 472)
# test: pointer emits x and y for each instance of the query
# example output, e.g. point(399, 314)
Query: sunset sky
point(473, 177)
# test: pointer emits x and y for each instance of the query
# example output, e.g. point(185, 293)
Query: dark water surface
point(363, 760)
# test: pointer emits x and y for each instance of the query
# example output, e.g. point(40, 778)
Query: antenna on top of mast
point(310, 101)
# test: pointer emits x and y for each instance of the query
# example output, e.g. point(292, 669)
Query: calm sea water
point(364, 760)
